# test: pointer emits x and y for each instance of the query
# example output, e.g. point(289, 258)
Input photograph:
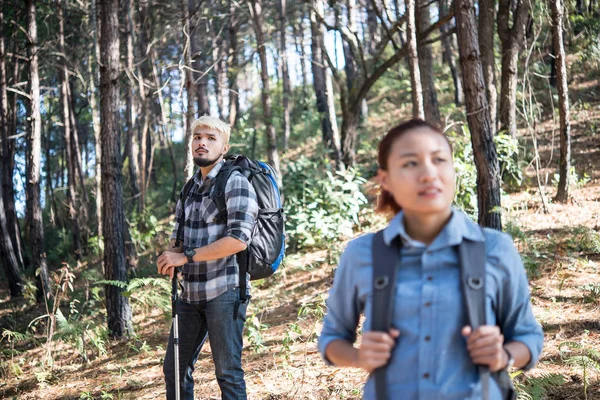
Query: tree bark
point(199, 44)
point(132, 148)
point(287, 88)
point(8, 257)
point(562, 194)
point(73, 203)
point(145, 136)
point(299, 43)
point(35, 225)
point(219, 55)
point(448, 56)
point(482, 138)
point(233, 69)
point(512, 39)
point(93, 62)
point(117, 305)
point(323, 86)
point(431, 106)
point(413, 57)
point(374, 36)
point(189, 88)
point(485, 26)
point(8, 128)
point(255, 7)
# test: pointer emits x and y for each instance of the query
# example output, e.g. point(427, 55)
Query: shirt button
point(426, 375)
point(427, 338)
point(430, 278)
point(428, 304)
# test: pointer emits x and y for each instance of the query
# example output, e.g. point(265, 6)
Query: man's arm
point(224, 247)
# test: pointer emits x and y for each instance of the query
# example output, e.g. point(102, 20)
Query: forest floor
point(560, 248)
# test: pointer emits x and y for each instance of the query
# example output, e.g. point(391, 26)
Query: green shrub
point(321, 205)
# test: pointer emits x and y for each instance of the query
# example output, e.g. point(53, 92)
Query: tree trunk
point(189, 89)
point(299, 43)
point(448, 56)
point(201, 64)
point(50, 198)
point(219, 53)
point(132, 148)
point(233, 70)
point(117, 305)
point(431, 106)
point(349, 56)
point(482, 138)
point(35, 225)
point(72, 195)
point(93, 62)
point(164, 122)
point(287, 89)
point(323, 86)
point(255, 7)
point(8, 128)
point(512, 40)
point(413, 57)
point(8, 257)
point(485, 26)
point(562, 194)
point(145, 137)
point(374, 35)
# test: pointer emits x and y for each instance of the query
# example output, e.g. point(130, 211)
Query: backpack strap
point(472, 259)
point(181, 220)
point(386, 259)
point(218, 196)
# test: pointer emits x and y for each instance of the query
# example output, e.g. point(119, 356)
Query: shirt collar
point(211, 175)
point(458, 228)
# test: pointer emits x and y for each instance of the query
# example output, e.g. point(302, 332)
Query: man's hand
point(376, 349)
point(168, 261)
point(485, 346)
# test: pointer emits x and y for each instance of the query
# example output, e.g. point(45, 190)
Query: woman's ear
point(382, 179)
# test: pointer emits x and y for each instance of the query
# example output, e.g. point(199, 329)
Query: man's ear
point(225, 149)
point(382, 178)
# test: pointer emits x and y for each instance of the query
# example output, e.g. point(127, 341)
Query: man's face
point(208, 146)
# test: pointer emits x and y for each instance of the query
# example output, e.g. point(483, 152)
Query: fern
point(536, 388)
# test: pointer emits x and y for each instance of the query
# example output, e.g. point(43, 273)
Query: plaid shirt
point(203, 281)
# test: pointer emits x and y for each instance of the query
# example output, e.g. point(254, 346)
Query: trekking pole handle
point(174, 291)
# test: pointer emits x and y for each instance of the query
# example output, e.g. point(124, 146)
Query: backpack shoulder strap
point(385, 261)
point(472, 265)
point(218, 191)
point(181, 221)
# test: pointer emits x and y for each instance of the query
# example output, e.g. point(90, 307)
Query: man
point(210, 300)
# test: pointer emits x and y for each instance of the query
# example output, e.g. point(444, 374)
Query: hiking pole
point(174, 300)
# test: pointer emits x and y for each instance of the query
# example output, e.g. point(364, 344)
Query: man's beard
point(205, 162)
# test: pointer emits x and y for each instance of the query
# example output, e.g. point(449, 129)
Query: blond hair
point(213, 123)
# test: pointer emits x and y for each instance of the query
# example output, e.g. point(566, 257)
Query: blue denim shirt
point(430, 360)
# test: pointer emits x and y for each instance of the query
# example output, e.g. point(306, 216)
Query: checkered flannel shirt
point(203, 281)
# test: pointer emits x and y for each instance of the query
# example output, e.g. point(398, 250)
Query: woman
point(431, 352)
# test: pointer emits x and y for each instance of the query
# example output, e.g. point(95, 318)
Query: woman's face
point(420, 172)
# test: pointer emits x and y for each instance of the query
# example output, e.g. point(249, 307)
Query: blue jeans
point(214, 318)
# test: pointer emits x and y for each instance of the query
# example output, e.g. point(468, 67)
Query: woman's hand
point(485, 346)
point(376, 349)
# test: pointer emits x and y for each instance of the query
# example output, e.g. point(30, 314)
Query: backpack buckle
point(475, 283)
point(381, 282)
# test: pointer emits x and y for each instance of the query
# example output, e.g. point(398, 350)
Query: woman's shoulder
point(501, 250)
point(358, 251)
point(360, 244)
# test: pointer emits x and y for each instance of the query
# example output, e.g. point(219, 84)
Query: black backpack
point(266, 250)
point(471, 257)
